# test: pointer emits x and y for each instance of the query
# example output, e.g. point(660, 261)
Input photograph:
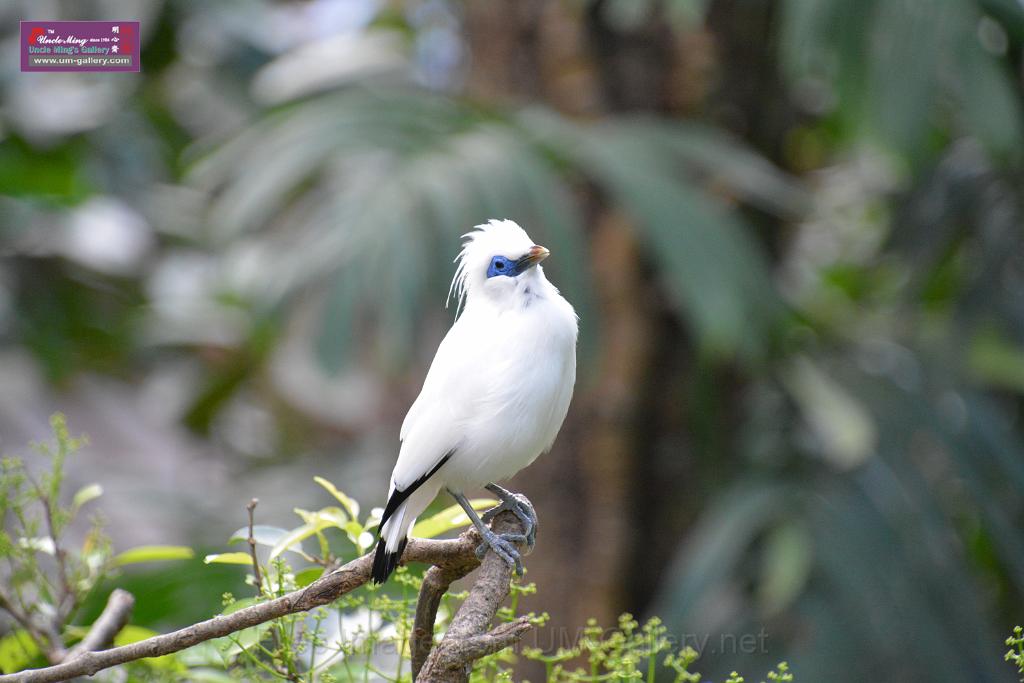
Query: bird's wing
point(444, 358)
point(432, 426)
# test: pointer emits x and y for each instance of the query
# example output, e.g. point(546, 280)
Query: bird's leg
point(519, 505)
point(503, 545)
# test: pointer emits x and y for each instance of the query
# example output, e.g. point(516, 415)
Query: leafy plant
point(366, 634)
point(47, 576)
point(1015, 654)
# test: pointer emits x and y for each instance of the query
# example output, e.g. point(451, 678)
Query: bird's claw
point(521, 507)
point(504, 547)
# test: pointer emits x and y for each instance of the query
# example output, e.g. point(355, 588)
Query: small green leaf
point(17, 650)
point(350, 505)
point(244, 639)
point(261, 533)
point(450, 518)
point(133, 634)
point(154, 553)
point(332, 516)
point(293, 540)
point(354, 530)
point(786, 563)
point(994, 359)
point(238, 604)
point(228, 558)
point(374, 518)
point(84, 495)
point(843, 425)
point(308, 576)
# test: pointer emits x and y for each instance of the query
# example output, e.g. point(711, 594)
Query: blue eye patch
point(501, 265)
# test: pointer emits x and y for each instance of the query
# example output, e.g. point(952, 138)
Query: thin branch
point(110, 622)
point(467, 638)
point(67, 593)
point(251, 507)
point(56, 652)
point(323, 591)
point(24, 619)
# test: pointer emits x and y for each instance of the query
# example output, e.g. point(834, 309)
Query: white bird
point(495, 395)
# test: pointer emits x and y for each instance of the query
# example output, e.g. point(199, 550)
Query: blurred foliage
point(850, 290)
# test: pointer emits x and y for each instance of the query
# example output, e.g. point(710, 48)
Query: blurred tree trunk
point(597, 541)
point(607, 513)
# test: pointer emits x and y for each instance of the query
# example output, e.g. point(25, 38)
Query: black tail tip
point(386, 562)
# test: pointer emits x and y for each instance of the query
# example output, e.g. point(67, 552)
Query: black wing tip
point(385, 562)
point(398, 496)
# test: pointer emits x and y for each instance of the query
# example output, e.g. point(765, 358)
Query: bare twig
point(467, 638)
point(251, 507)
point(110, 622)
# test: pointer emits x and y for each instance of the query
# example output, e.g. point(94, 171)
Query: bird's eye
point(500, 265)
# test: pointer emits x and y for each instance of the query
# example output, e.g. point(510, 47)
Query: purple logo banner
point(80, 46)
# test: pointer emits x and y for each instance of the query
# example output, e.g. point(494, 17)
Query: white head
point(498, 261)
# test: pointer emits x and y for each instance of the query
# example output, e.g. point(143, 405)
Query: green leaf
point(995, 360)
point(450, 518)
point(315, 522)
point(239, 604)
point(843, 425)
point(261, 533)
point(350, 505)
point(354, 530)
point(17, 650)
point(229, 558)
point(293, 540)
point(333, 516)
point(307, 576)
point(786, 564)
point(133, 634)
point(214, 653)
point(84, 495)
point(153, 553)
point(244, 639)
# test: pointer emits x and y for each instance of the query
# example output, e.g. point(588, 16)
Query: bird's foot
point(504, 547)
point(521, 507)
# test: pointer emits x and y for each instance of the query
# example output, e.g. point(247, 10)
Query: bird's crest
point(484, 241)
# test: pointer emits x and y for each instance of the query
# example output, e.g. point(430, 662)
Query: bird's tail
point(394, 534)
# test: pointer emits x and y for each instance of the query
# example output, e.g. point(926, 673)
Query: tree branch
point(467, 638)
point(451, 559)
point(435, 584)
point(110, 622)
